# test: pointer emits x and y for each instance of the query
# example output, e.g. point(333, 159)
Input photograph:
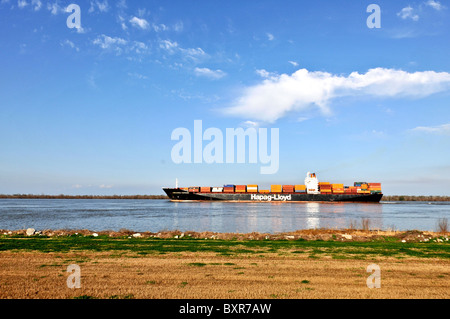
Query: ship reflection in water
point(273, 217)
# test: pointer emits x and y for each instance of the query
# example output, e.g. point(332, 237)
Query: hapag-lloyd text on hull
point(275, 197)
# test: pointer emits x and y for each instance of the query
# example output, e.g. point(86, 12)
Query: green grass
point(315, 249)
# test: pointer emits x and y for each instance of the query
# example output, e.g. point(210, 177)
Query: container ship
point(311, 191)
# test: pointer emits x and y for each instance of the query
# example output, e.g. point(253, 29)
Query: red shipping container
point(288, 188)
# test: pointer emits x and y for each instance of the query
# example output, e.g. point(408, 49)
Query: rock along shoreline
point(306, 234)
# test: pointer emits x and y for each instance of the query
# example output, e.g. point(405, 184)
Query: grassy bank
point(338, 245)
point(319, 263)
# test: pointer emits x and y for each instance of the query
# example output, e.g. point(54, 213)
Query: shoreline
point(321, 234)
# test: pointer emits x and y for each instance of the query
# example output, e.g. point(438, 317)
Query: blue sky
point(91, 110)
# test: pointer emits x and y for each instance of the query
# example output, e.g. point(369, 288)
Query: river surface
point(157, 215)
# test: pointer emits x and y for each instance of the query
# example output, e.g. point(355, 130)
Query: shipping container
point(264, 191)
point(228, 189)
point(240, 188)
point(288, 188)
point(193, 189)
point(205, 189)
point(217, 189)
point(275, 188)
point(300, 187)
point(359, 183)
point(252, 188)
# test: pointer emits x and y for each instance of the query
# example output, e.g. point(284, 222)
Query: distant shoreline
point(62, 196)
point(386, 198)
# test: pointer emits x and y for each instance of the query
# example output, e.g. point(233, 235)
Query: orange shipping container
point(275, 188)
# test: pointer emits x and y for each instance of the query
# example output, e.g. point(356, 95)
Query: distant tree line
point(422, 198)
point(62, 196)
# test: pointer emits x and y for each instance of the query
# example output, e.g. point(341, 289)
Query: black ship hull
point(177, 194)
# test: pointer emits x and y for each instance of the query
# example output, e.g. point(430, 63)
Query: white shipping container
point(217, 189)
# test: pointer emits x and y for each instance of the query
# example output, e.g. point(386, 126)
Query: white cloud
point(434, 4)
point(279, 94)
point(101, 6)
point(121, 4)
point(55, 8)
point(138, 76)
point(139, 23)
point(293, 63)
point(70, 44)
point(408, 13)
point(172, 47)
point(106, 186)
point(439, 129)
point(250, 124)
point(37, 4)
point(160, 27)
point(122, 22)
point(22, 3)
point(212, 74)
point(139, 47)
point(265, 74)
point(270, 36)
point(178, 27)
point(107, 42)
point(168, 45)
point(119, 45)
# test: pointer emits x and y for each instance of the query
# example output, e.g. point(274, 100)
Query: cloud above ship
point(278, 95)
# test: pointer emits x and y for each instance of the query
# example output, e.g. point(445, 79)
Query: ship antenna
point(176, 182)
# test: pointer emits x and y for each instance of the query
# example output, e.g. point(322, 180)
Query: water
point(158, 215)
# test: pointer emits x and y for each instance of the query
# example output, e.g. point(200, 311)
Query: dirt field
point(201, 275)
